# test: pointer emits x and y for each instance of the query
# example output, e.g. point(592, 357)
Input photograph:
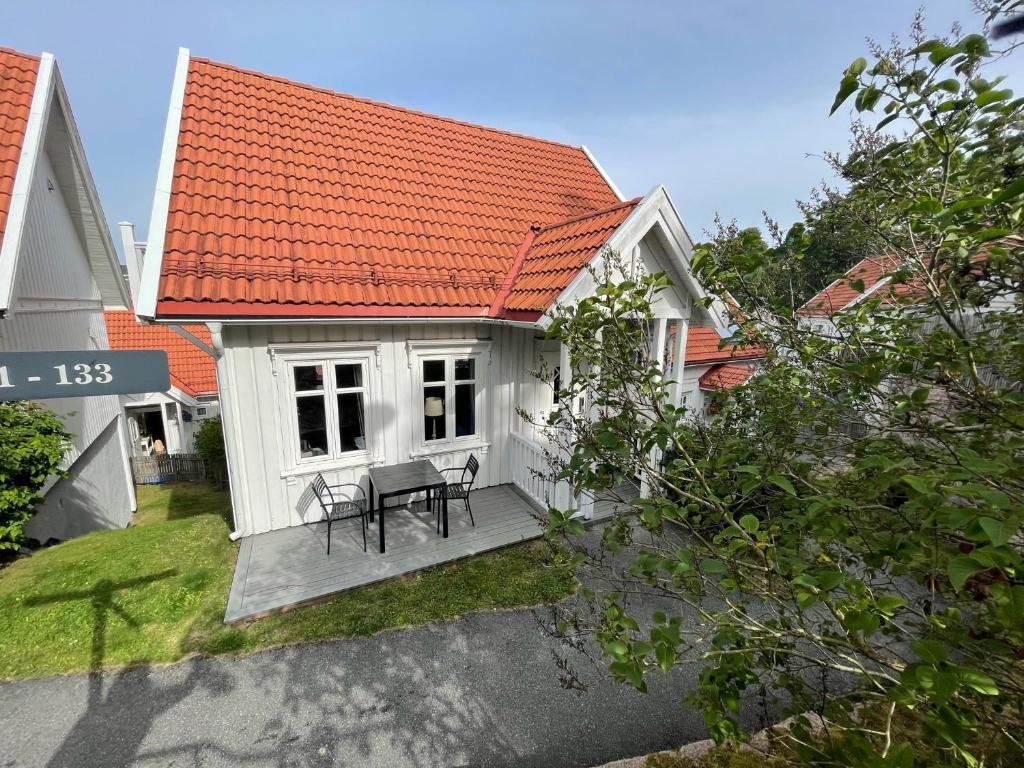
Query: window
point(327, 408)
point(201, 411)
point(449, 395)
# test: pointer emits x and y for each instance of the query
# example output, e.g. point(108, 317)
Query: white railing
point(530, 469)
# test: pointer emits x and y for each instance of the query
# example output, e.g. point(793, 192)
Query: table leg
point(444, 514)
point(371, 498)
point(380, 524)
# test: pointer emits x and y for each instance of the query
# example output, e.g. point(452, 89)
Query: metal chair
point(460, 490)
point(336, 509)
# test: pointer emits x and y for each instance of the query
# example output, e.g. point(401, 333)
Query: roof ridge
point(383, 104)
point(513, 273)
point(591, 214)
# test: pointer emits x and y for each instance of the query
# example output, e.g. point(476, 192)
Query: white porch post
point(681, 334)
point(657, 357)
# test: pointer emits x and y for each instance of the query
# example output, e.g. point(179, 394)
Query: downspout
point(225, 394)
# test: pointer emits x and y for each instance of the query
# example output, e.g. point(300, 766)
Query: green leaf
point(960, 569)
point(666, 656)
point(749, 523)
point(857, 66)
point(1011, 190)
point(979, 681)
point(847, 86)
point(782, 483)
point(616, 648)
point(712, 567)
point(990, 97)
point(997, 531)
point(930, 651)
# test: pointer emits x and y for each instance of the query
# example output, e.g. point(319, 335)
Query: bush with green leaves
point(33, 444)
point(210, 445)
point(873, 576)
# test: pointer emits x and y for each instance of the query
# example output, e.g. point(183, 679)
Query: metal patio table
point(402, 479)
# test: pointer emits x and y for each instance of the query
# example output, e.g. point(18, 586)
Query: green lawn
point(155, 592)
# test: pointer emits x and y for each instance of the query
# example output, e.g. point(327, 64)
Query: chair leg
point(328, 536)
point(470, 510)
point(437, 517)
point(362, 519)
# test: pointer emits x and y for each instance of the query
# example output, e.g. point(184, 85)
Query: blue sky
point(720, 101)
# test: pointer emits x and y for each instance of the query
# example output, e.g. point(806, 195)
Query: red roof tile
point(17, 84)
point(192, 370)
point(725, 376)
point(556, 255)
point(293, 200)
point(840, 293)
point(702, 346)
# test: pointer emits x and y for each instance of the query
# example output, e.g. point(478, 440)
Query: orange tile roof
point(725, 376)
point(557, 253)
point(290, 200)
point(17, 84)
point(702, 346)
point(840, 293)
point(192, 370)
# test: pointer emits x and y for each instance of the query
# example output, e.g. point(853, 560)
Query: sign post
point(47, 375)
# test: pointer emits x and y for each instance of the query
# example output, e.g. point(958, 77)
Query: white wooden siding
point(269, 493)
point(57, 305)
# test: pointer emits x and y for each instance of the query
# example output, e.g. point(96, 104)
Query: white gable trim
point(654, 211)
point(604, 174)
point(145, 306)
point(35, 130)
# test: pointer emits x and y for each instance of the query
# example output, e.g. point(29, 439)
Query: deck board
point(289, 566)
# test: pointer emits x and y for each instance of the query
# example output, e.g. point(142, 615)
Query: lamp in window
point(433, 407)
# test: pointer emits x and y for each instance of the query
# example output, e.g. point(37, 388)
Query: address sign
point(45, 375)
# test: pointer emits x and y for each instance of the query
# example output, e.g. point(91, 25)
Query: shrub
point(210, 445)
point(32, 446)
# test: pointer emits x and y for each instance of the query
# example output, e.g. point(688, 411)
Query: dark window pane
point(556, 384)
point(309, 378)
point(434, 427)
point(312, 426)
point(350, 421)
point(433, 370)
point(465, 369)
point(349, 375)
point(465, 410)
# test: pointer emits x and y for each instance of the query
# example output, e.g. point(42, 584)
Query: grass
point(155, 593)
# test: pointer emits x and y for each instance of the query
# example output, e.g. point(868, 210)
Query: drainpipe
point(226, 395)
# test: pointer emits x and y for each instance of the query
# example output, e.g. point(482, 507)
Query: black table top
point(399, 478)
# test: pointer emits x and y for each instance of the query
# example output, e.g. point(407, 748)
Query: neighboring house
point(872, 277)
point(710, 367)
point(167, 420)
point(377, 280)
point(58, 271)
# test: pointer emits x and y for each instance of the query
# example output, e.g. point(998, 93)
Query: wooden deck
point(290, 566)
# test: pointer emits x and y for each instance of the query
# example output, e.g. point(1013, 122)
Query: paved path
point(480, 691)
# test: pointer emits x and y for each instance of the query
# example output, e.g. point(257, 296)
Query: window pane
point(309, 378)
point(434, 427)
point(433, 370)
point(351, 427)
point(348, 375)
point(465, 410)
point(312, 422)
point(465, 369)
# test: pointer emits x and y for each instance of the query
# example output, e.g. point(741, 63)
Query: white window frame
point(285, 362)
point(449, 351)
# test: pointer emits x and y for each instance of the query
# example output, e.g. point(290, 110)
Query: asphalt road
point(483, 690)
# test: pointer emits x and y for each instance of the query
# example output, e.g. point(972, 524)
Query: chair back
point(472, 467)
point(323, 493)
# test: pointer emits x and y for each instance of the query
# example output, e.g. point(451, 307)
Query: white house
point(58, 271)
point(377, 280)
point(167, 421)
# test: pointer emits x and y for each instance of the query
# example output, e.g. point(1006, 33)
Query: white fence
point(162, 468)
